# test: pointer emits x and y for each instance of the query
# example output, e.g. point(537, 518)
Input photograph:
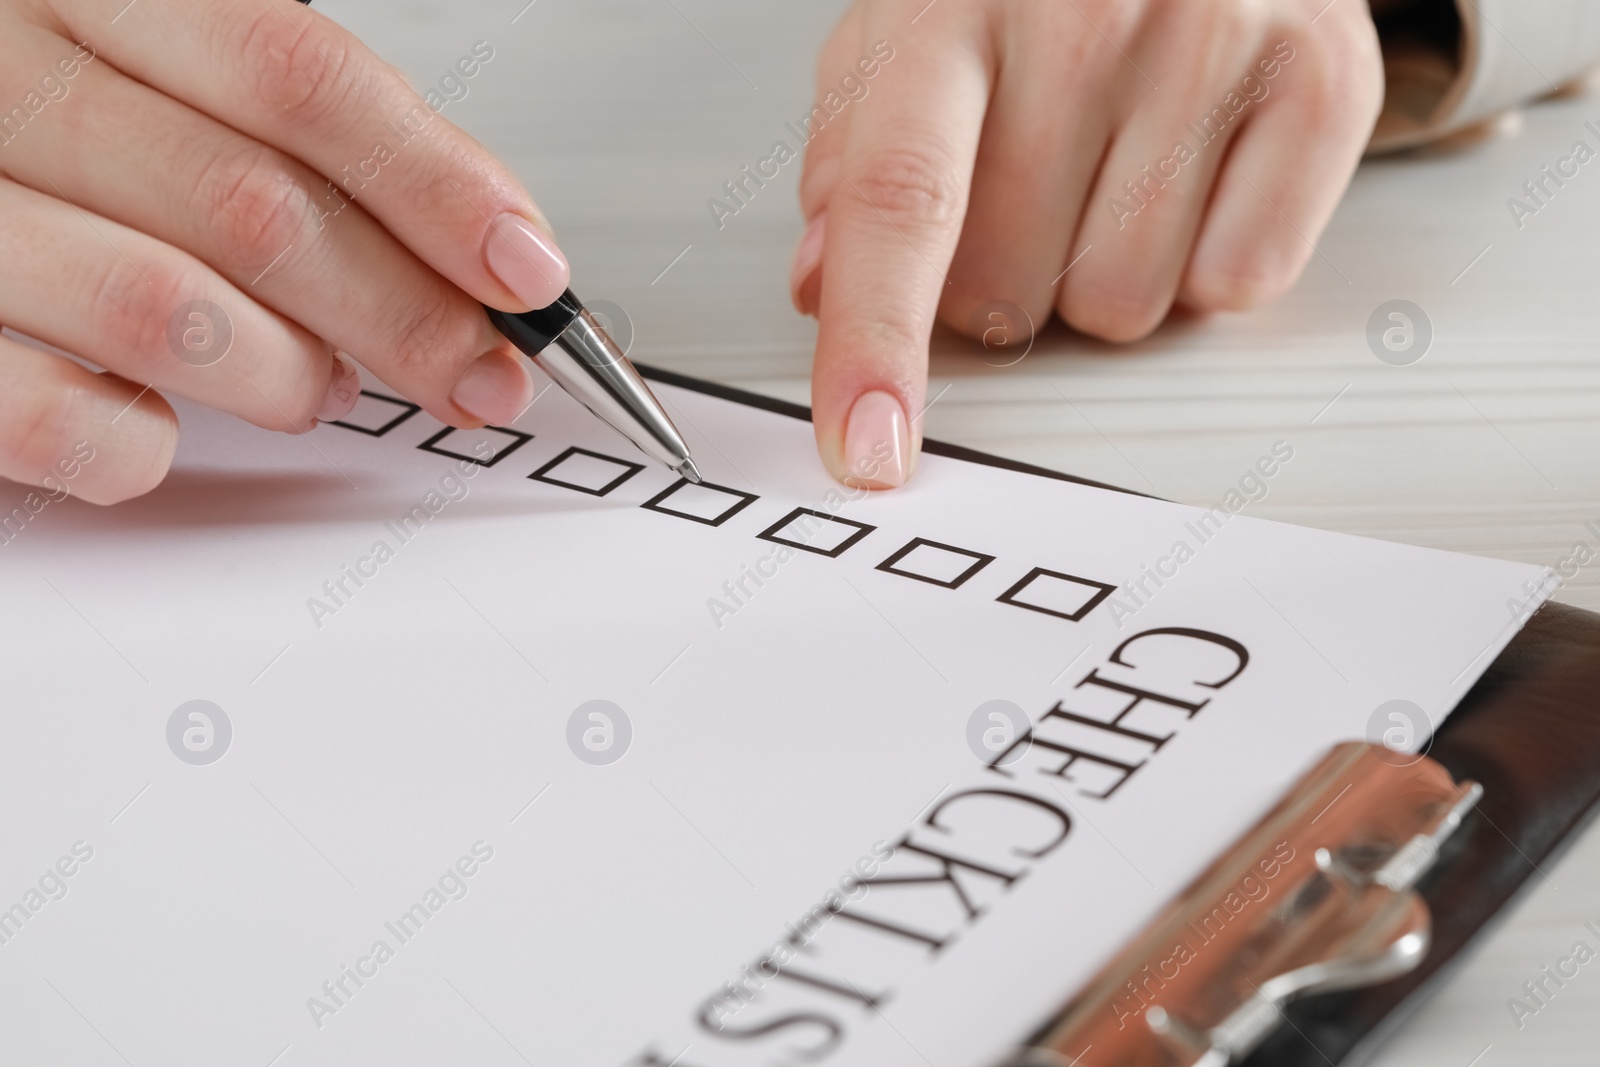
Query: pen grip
point(534, 331)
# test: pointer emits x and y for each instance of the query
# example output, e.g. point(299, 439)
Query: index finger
point(894, 219)
point(298, 81)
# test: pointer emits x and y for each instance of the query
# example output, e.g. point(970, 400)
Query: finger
point(294, 79)
point(1036, 162)
point(893, 222)
point(154, 315)
point(1145, 209)
point(71, 431)
point(1289, 169)
point(825, 127)
point(271, 226)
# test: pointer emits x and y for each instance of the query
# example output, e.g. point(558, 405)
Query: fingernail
point(495, 387)
point(343, 390)
point(877, 442)
point(526, 261)
point(807, 258)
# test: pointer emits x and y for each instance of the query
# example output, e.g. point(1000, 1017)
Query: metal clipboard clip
point(1317, 897)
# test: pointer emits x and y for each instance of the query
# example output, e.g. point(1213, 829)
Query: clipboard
point(1399, 864)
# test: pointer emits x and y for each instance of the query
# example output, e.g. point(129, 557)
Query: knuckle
point(1265, 271)
point(286, 386)
point(985, 277)
point(1236, 289)
point(450, 182)
point(432, 331)
point(255, 206)
point(35, 430)
point(1115, 17)
point(910, 187)
point(895, 328)
point(1355, 83)
point(1344, 74)
point(302, 74)
point(980, 315)
point(1242, 20)
point(1109, 314)
point(1338, 106)
point(131, 307)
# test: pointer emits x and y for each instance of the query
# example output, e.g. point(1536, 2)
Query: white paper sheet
point(385, 733)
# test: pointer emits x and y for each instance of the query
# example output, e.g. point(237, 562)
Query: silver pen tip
point(690, 471)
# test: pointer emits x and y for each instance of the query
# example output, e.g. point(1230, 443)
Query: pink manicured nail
point(877, 442)
point(343, 391)
point(496, 388)
point(526, 261)
point(807, 258)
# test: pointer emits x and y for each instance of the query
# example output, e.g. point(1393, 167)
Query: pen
point(578, 355)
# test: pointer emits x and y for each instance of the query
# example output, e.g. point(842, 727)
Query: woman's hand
point(211, 198)
point(1163, 150)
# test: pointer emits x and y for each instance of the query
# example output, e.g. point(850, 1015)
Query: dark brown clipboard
point(1528, 732)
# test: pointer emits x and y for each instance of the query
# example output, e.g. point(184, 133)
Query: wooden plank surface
point(625, 116)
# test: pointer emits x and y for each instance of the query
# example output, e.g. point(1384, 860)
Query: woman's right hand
point(213, 199)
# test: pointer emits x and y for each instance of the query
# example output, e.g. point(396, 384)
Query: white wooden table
point(624, 116)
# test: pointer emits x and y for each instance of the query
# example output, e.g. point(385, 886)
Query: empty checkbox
point(376, 414)
point(815, 531)
point(705, 503)
point(1065, 596)
point(484, 446)
point(587, 472)
point(936, 564)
